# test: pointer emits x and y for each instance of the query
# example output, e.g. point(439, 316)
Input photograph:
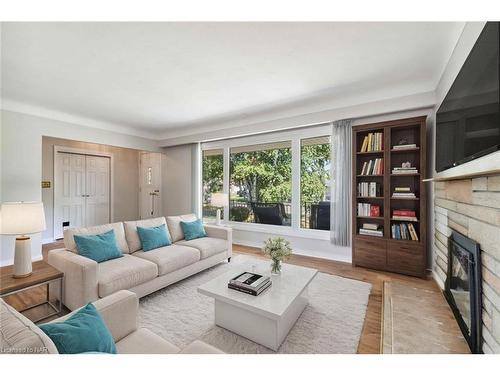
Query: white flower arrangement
point(278, 249)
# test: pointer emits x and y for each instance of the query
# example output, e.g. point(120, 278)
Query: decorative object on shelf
point(405, 168)
point(219, 200)
point(21, 219)
point(278, 249)
point(403, 141)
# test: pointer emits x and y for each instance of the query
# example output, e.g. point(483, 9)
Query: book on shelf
point(370, 232)
point(403, 195)
point(404, 147)
point(404, 231)
point(370, 226)
point(402, 189)
point(373, 167)
point(408, 215)
point(369, 189)
point(368, 210)
point(404, 170)
point(372, 142)
point(250, 283)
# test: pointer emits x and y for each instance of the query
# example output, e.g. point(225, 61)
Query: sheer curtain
point(341, 183)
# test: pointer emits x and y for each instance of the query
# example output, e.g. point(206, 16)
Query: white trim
point(38, 111)
point(81, 151)
point(281, 230)
point(296, 175)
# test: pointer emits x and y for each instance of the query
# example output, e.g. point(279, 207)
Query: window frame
point(294, 136)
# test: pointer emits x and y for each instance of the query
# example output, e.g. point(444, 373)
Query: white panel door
point(150, 185)
point(69, 191)
point(97, 190)
point(81, 191)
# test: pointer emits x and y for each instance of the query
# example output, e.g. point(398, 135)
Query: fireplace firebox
point(463, 287)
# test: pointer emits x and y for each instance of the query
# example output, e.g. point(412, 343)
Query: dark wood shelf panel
point(386, 253)
point(415, 149)
point(370, 152)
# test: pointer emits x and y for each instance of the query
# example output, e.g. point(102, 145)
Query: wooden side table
point(43, 274)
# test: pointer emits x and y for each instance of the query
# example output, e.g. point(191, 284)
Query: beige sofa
point(119, 311)
point(140, 272)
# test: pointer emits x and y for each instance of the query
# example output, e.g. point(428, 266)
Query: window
point(213, 177)
point(260, 184)
point(315, 167)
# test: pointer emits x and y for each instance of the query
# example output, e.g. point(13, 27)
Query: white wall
point(21, 149)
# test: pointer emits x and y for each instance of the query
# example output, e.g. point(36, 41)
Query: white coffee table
point(267, 318)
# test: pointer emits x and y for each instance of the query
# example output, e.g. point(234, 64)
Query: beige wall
point(125, 173)
point(178, 180)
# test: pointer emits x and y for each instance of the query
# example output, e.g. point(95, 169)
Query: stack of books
point(404, 215)
point(404, 147)
point(373, 142)
point(373, 167)
point(369, 189)
point(367, 209)
point(370, 229)
point(403, 192)
point(250, 283)
point(404, 170)
point(404, 231)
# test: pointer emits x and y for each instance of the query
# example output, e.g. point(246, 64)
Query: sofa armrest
point(118, 310)
point(224, 233)
point(80, 277)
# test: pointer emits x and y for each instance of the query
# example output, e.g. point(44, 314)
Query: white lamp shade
point(219, 200)
point(17, 218)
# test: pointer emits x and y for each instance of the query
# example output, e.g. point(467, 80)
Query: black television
point(468, 120)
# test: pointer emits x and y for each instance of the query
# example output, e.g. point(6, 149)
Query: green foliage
point(240, 214)
point(212, 167)
point(266, 176)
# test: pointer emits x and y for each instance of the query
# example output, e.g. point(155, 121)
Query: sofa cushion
point(69, 240)
point(170, 258)
point(143, 341)
point(124, 273)
point(20, 336)
point(207, 246)
point(174, 225)
point(83, 332)
point(98, 247)
point(133, 240)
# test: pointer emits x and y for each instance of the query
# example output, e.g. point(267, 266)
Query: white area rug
point(331, 323)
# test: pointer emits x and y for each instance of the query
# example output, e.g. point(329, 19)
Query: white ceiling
point(159, 77)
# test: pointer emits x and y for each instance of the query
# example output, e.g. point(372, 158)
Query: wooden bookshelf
point(387, 253)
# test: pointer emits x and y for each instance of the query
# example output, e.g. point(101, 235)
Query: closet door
point(97, 207)
point(69, 192)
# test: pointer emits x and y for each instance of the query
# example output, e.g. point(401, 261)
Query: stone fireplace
point(471, 208)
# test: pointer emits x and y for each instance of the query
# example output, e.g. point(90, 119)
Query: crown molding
point(33, 110)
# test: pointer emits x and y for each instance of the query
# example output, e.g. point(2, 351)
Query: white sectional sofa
point(119, 311)
point(140, 272)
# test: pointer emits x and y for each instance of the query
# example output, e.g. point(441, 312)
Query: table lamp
point(219, 200)
point(21, 219)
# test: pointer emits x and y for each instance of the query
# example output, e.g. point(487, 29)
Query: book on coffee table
point(251, 283)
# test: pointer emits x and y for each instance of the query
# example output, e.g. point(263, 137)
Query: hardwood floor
point(371, 335)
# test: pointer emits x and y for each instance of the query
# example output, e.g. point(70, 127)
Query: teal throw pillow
point(153, 238)
point(193, 229)
point(98, 247)
point(83, 332)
